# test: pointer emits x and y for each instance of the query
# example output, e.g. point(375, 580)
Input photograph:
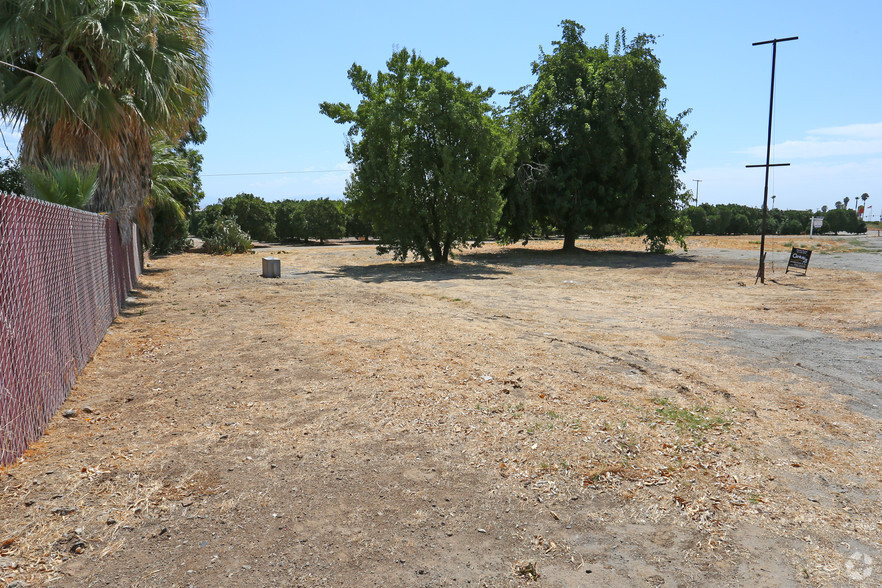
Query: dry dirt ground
point(521, 417)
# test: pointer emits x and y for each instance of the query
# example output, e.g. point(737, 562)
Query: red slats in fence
point(64, 274)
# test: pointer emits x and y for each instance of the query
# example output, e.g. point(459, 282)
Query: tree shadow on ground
point(576, 258)
point(419, 272)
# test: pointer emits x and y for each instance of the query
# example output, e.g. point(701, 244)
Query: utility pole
point(761, 272)
point(696, 191)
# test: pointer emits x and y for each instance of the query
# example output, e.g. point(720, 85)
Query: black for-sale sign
point(799, 259)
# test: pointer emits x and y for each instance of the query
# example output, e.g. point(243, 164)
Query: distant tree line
point(290, 221)
point(737, 219)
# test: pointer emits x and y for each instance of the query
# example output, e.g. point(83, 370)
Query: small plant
point(694, 420)
point(68, 186)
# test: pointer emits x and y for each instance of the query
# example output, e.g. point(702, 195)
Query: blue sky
point(274, 61)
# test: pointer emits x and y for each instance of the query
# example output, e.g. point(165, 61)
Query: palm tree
point(109, 75)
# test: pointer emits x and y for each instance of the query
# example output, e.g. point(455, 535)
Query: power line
point(305, 171)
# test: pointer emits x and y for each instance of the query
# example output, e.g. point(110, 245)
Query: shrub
point(226, 237)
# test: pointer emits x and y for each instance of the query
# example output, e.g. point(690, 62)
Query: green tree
point(11, 178)
point(791, 226)
point(843, 220)
point(601, 149)
point(324, 219)
point(110, 76)
point(740, 224)
point(698, 219)
point(253, 214)
point(291, 221)
point(202, 220)
point(356, 226)
point(429, 158)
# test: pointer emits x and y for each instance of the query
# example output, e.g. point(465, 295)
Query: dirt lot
point(522, 417)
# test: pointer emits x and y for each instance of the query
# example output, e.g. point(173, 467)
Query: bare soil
point(521, 417)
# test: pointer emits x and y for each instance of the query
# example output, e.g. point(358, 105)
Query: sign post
point(761, 272)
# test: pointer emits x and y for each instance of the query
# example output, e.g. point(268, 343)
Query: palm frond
point(69, 186)
point(126, 71)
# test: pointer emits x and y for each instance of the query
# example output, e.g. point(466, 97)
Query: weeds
point(688, 420)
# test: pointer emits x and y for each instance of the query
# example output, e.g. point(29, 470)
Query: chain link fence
point(64, 274)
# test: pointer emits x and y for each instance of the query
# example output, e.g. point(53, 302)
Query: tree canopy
point(429, 158)
point(597, 149)
point(255, 215)
point(11, 178)
point(301, 220)
point(842, 219)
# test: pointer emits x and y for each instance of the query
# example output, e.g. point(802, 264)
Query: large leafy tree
point(324, 219)
point(291, 221)
point(91, 81)
point(429, 158)
point(597, 149)
point(256, 216)
point(842, 219)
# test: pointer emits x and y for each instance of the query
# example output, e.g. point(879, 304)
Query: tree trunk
point(124, 160)
point(437, 253)
point(569, 241)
